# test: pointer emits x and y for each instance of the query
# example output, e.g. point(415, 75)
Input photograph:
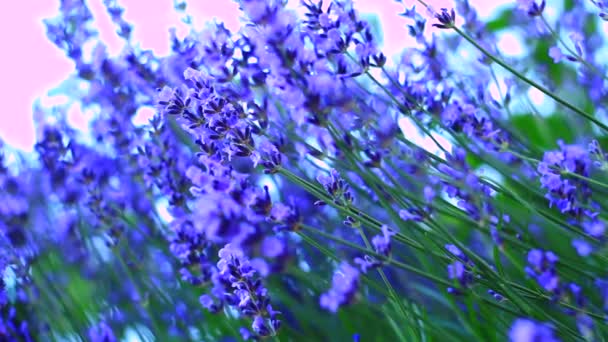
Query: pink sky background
point(31, 65)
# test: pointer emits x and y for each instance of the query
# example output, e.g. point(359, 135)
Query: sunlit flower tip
point(582, 247)
point(526, 330)
point(556, 54)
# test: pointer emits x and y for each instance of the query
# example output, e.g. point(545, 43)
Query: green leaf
point(497, 261)
point(501, 22)
point(543, 132)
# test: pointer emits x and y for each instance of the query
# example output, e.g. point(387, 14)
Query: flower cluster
point(568, 195)
point(565, 175)
point(292, 148)
point(245, 292)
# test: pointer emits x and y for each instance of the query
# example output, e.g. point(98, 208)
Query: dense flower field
point(276, 195)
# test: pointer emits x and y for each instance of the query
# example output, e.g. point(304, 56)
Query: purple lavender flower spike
point(344, 286)
point(583, 248)
point(556, 54)
point(245, 291)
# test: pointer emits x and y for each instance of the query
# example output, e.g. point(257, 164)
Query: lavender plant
point(274, 194)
